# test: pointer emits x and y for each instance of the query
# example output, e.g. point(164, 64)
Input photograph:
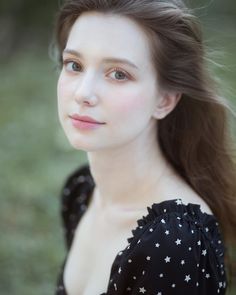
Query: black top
point(175, 248)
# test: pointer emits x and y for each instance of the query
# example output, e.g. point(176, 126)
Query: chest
point(94, 248)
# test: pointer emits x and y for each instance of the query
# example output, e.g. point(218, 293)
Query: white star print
point(151, 229)
point(207, 275)
point(167, 259)
point(163, 221)
point(178, 202)
point(187, 278)
point(119, 271)
point(157, 245)
point(148, 257)
point(204, 252)
point(173, 285)
point(182, 262)
point(161, 275)
point(199, 243)
point(129, 260)
point(167, 232)
point(159, 293)
point(142, 290)
point(178, 242)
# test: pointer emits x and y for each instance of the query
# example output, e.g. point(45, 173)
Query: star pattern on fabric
point(142, 290)
point(178, 242)
point(167, 259)
point(178, 202)
point(174, 249)
point(187, 278)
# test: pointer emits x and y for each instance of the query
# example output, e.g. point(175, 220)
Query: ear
point(166, 103)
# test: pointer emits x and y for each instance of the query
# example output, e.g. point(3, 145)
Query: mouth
point(86, 119)
point(85, 122)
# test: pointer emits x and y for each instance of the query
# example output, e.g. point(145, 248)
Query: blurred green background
point(35, 157)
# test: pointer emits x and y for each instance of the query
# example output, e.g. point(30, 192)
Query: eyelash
point(66, 62)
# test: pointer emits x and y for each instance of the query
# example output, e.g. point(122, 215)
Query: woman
point(153, 210)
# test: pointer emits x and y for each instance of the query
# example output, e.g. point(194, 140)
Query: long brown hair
point(195, 137)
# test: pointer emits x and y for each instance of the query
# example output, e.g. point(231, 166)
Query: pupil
point(75, 67)
point(119, 75)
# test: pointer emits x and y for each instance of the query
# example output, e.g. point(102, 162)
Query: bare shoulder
point(178, 188)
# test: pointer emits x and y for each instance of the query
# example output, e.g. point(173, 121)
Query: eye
point(72, 66)
point(120, 75)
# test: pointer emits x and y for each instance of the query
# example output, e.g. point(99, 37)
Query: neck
point(126, 176)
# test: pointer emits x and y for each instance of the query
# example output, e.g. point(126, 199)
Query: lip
point(84, 119)
point(84, 122)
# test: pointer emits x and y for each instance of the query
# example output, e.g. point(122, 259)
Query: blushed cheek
point(130, 105)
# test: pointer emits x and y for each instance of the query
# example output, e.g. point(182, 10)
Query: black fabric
point(175, 248)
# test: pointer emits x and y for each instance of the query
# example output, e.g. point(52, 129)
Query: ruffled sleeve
point(176, 249)
point(75, 196)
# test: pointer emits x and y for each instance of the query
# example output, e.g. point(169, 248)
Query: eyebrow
point(106, 60)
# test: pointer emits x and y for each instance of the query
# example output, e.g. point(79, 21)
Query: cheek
point(62, 88)
point(130, 104)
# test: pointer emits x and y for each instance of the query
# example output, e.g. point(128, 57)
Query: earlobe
point(167, 103)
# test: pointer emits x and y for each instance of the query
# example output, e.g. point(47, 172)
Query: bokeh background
point(35, 157)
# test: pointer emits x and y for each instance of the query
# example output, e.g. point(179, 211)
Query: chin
point(85, 147)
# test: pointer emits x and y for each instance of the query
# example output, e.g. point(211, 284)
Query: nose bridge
point(86, 84)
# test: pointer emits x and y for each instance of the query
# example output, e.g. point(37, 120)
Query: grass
point(35, 159)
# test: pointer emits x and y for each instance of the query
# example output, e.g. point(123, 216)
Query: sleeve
point(73, 194)
point(172, 256)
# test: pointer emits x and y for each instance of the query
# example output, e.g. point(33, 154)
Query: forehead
point(104, 35)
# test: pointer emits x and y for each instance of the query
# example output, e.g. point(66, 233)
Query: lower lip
point(85, 125)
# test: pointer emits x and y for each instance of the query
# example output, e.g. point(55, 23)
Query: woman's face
point(107, 75)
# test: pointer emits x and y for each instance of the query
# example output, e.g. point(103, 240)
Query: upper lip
point(85, 118)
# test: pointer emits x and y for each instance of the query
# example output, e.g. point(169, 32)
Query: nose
point(85, 89)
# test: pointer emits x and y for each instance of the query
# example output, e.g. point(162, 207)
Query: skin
point(124, 156)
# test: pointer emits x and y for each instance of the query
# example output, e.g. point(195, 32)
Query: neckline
point(155, 208)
